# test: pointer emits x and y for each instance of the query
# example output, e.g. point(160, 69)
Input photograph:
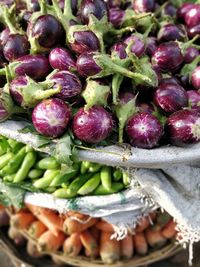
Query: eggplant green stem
point(43, 6)
point(7, 20)
point(47, 93)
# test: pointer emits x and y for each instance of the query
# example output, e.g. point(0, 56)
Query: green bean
point(84, 166)
point(94, 167)
point(117, 175)
point(50, 189)
point(35, 173)
point(47, 163)
point(78, 182)
point(63, 193)
point(63, 178)
point(100, 190)
point(90, 185)
point(27, 164)
point(125, 178)
point(106, 178)
point(5, 159)
point(9, 178)
point(15, 162)
point(45, 181)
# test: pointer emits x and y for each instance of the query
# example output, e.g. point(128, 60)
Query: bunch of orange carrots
point(74, 233)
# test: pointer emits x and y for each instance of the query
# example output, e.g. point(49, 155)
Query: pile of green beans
point(19, 163)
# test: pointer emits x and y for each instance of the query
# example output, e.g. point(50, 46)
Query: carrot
point(4, 218)
point(109, 249)
point(140, 243)
point(22, 220)
point(104, 226)
point(142, 225)
point(48, 242)
point(36, 229)
point(48, 217)
point(126, 247)
point(89, 243)
point(32, 250)
point(71, 226)
point(169, 230)
point(72, 245)
point(155, 239)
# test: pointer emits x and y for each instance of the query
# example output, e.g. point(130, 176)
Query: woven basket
point(160, 254)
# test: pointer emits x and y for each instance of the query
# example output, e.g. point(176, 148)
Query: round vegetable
point(167, 57)
point(86, 66)
point(183, 127)
point(170, 97)
point(144, 130)
point(51, 117)
point(144, 5)
point(62, 59)
point(195, 78)
point(93, 125)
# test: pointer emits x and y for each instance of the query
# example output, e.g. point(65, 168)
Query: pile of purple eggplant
point(119, 70)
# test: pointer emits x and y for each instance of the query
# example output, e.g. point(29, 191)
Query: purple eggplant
point(34, 5)
point(193, 31)
point(84, 41)
point(138, 46)
point(92, 126)
point(192, 17)
point(167, 57)
point(125, 97)
point(119, 49)
point(116, 16)
point(193, 98)
point(73, 5)
point(170, 97)
point(51, 117)
point(144, 130)
point(2, 58)
point(183, 127)
point(4, 35)
point(16, 46)
point(146, 107)
point(47, 30)
point(169, 10)
point(195, 78)
point(62, 59)
point(183, 10)
point(170, 80)
point(69, 82)
point(171, 32)
point(28, 93)
point(86, 65)
point(37, 67)
point(142, 6)
point(98, 8)
point(113, 3)
point(190, 54)
point(151, 46)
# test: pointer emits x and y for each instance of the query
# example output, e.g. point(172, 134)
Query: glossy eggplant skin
point(183, 127)
point(138, 47)
point(16, 83)
point(69, 82)
point(170, 97)
point(96, 7)
point(86, 66)
point(51, 117)
point(48, 31)
point(93, 125)
point(144, 130)
point(62, 59)
point(190, 54)
point(167, 57)
point(16, 46)
point(35, 66)
point(85, 41)
point(142, 6)
point(171, 32)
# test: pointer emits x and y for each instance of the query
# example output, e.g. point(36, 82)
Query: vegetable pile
point(22, 166)
point(103, 71)
point(51, 233)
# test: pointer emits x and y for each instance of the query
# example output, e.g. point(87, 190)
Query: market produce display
point(21, 166)
point(103, 72)
point(50, 233)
